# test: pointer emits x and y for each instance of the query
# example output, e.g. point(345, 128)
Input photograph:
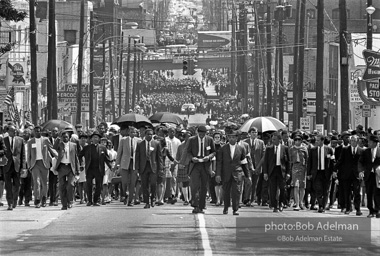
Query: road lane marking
point(205, 240)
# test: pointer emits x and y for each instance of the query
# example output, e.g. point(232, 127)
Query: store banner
point(16, 73)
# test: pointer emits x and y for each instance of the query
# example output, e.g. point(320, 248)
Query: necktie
point(201, 147)
point(373, 155)
point(148, 151)
point(131, 148)
point(12, 144)
point(353, 151)
point(319, 158)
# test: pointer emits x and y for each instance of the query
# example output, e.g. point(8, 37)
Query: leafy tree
point(9, 13)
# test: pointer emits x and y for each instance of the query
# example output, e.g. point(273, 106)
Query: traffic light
point(304, 103)
point(192, 66)
point(185, 67)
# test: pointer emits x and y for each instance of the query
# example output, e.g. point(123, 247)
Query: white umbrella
point(263, 124)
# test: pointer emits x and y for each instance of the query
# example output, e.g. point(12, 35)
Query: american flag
point(12, 109)
point(10, 97)
point(14, 114)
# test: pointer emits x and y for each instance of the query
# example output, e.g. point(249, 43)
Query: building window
point(335, 14)
point(70, 36)
point(311, 14)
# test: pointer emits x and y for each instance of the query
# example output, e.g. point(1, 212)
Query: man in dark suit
point(26, 181)
point(149, 163)
point(96, 157)
point(257, 155)
point(334, 188)
point(39, 157)
point(231, 165)
point(369, 162)
point(67, 166)
point(15, 154)
point(201, 150)
point(53, 177)
point(117, 138)
point(347, 170)
point(276, 170)
point(320, 170)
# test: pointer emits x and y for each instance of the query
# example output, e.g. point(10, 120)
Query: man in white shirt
point(173, 168)
point(67, 166)
point(39, 154)
point(231, 165)
point(126, 156)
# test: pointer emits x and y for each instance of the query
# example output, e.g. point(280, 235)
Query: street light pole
point(127, 77)
point(370, 10)
point(92, 45)
point(121, 70)
point(110, 67)
point(134, 76)
point(80, 65)
point(345, 103)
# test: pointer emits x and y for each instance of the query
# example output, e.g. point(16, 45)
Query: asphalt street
point(116, 229)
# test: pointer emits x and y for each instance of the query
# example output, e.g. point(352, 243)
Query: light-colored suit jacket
point(257, 153)
point(123, 158)
point(47, 152)
point(17, 153)
point(74, 160)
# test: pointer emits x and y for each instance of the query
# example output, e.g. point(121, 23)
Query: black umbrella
point(165, 117)
point(60, 124)
point(133, 119)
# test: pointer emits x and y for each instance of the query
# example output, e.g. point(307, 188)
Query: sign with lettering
point(305, 123)
point(372, 60)
point(67, 98)
point(366, 113)
point(373, 90)
point(354, 95)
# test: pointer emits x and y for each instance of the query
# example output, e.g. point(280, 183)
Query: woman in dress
point(298, 160)
point(2, 163)
point(82, 174)
point(164, 174)
point(218, 186)
point(183, 167)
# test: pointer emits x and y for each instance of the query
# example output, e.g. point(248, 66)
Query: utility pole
point(301, 54)
point(33, 64)
point(344, 84)
point(269, 62)
point(80, 65)
point(319, 66)
point(256, 70)
point(104, 79)
point(275, 84)
point(280, 67)
point(127, 74)
point(121, 71)
point(296, 99)
point(233, 50)
point(134, 76)
point(243, 70)
point(52, 111)
point(110, 65)
point(92, 46)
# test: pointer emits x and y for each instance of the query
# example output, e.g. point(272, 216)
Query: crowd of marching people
point(165, 165)
point(162, 94)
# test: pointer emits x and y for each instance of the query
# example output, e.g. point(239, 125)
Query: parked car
point(188, 107)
